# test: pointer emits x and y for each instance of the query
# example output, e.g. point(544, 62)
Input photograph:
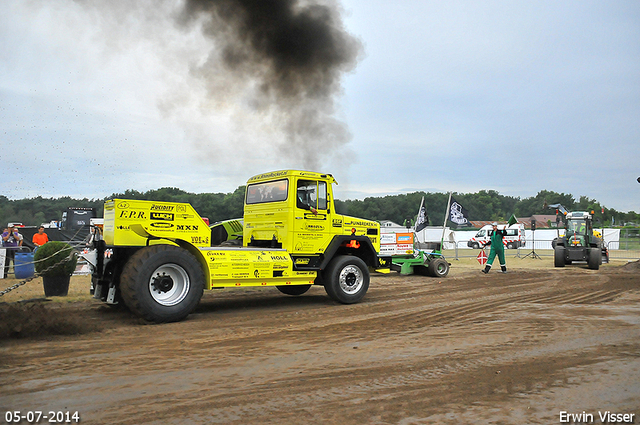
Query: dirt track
point(502, 349)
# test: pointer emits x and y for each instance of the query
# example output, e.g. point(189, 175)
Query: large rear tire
point(162, 283)
point(558, 256)
point(595, 258)
point(438, 267)
point(293, 289)
point(346, 280)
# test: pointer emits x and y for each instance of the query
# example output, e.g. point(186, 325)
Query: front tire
point(595, 258)
point(293, 289)
point(558, 256)
point(162, 283)
point(346, 280)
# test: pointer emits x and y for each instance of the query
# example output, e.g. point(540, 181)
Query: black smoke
point(287, 58)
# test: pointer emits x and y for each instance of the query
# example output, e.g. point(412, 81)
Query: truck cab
point(295, 210)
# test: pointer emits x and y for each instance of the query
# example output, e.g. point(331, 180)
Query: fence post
point(3, 255)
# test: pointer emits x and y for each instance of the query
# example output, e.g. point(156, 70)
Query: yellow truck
point(157, 258)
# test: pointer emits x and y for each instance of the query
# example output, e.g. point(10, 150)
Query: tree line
point(403, 208)
point(487, 205)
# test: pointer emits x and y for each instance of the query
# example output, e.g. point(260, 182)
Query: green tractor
point(579, 242)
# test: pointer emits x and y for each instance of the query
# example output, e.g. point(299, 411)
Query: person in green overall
point(497, 248)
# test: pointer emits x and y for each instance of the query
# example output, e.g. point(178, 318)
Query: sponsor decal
point(387, 249)
point(302, 261)
point(185, 216)
point(388, 238)
point(358, 223)
point(156, 207)
point(199, 240)
point(279, 258)
point(404, 237)
point(315, 227)
point(161, 225)
point(161, 216)
point(269, 175)
point(133, 215)
point(123, 205)
point(181, 208)
point(189, 227)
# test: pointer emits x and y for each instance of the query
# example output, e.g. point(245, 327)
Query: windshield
point(577, 226)
point(267, 192)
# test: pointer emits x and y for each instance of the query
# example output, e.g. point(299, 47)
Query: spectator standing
point(40, 238)
point(11, 240)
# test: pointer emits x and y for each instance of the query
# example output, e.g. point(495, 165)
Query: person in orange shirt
point(40, 238)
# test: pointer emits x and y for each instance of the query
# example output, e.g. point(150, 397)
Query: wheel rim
point(351, 279)
point(169, 284)
point(441, 269)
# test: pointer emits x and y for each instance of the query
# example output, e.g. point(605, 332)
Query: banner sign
point(396, 244)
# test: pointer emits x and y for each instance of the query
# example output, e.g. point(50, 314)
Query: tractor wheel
point(438, 267)
point(346, 280)
point(558, 256)
point(293, 289)
point(162, 283)
point(594, 259)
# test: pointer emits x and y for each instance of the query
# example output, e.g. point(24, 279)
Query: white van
point(514, 239)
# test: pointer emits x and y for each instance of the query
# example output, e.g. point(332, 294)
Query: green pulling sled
point(421, 262)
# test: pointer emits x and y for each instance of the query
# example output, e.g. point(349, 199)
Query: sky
point(97, 97)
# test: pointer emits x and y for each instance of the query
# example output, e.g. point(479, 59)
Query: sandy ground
point(519, 348)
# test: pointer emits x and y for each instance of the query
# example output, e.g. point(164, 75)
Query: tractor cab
point(579, 229)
